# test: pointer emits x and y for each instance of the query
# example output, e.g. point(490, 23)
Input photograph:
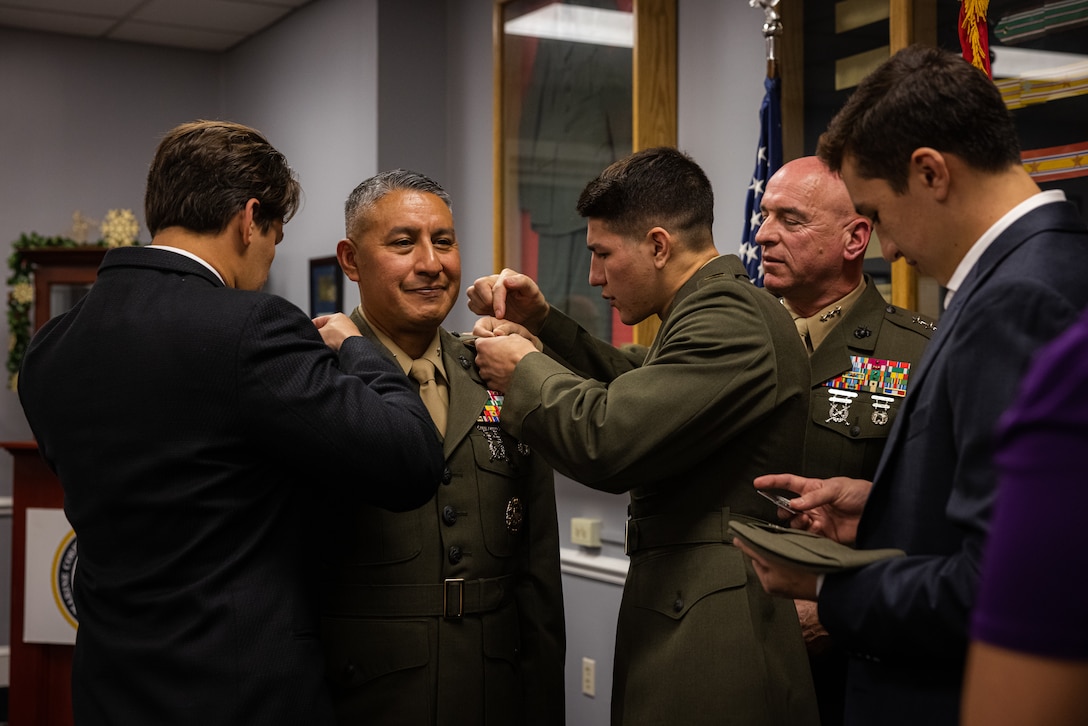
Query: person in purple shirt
point(1028, 661)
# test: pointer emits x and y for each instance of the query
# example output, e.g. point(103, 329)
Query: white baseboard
point(601, 568)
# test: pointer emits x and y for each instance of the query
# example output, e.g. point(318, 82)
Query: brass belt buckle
point(458, 599)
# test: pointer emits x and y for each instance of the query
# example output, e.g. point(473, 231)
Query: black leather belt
point(669, 529)
point(452, 598)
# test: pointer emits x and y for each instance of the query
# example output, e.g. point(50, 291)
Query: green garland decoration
point(21, 295)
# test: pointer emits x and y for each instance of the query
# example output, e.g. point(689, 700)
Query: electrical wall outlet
point(589, 677)
point(585, 531)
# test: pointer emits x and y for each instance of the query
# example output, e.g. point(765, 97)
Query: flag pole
point(769, 150)
point(772, 30)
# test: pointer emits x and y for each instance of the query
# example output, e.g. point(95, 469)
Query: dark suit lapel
point(1048, 216)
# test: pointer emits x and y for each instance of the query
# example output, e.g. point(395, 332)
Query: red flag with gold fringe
point(974, 35)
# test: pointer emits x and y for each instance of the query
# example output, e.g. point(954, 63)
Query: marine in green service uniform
point(683, 426)
point(450, 614)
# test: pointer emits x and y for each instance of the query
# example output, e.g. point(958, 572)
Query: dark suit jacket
point(720, 397)
point(192, 427)
point(905, 620)
point(492, 523)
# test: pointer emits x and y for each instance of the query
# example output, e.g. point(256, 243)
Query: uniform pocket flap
point(672, 581)
point(358, 651)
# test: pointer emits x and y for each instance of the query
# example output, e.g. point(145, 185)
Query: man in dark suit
point(862, 351)
point(196, 426)
point(450, 614)
point(929, 152)
point(682, 426)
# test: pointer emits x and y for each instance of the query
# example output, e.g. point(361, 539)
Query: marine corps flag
point(768, 159)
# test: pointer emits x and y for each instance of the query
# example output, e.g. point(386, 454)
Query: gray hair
point(367, 194)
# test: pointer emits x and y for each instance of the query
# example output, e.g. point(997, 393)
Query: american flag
point(768, 159)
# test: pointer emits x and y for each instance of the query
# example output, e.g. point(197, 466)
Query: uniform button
point(855, 431)
point(447, 475)
point(678, 605)
point(889, 309)
point(862, 332)
point(449, 516)
point(455, 555)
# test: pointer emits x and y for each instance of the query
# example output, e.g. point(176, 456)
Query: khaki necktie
point(802, 330)
point(423, 371)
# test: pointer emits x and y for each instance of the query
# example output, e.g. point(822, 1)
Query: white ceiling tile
point(197, 24)
point(111, 8)
point(213, 14)
point(174, 36)
point(68, 24)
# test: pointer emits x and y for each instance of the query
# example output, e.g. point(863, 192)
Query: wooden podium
point(40, 688)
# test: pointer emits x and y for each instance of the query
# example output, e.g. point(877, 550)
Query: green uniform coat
point(685, 426)
point(393, 657)
point(871, 329)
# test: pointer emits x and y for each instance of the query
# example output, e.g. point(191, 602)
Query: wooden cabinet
point(61, 276)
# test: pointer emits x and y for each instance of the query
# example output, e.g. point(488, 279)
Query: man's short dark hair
point(367, 194)
point(204, 172)
point(921, 96)
point(653, 187)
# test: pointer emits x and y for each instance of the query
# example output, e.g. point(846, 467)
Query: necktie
point(802, 330)
point(423, 371)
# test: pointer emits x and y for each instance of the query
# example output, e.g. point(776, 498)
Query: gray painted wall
point(344, 88)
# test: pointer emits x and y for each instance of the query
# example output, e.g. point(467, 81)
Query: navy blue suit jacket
point(194, 428)
point(905, 621)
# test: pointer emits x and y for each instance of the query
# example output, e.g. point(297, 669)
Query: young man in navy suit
point(196, 426)
point(930, 153)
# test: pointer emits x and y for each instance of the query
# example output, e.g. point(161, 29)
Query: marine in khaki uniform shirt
point(862, 350)
point(450, 614)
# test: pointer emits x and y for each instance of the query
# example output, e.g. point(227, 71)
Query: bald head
point(812, 239)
